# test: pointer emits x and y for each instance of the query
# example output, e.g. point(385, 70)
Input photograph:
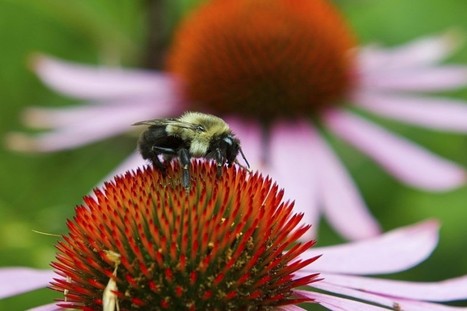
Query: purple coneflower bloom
point(282, 73)
point(226, 244)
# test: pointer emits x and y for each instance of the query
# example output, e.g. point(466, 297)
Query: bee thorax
point(198, 148)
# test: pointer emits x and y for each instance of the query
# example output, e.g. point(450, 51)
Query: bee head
point(232, 148)
point(230, 145)
point(235, 146)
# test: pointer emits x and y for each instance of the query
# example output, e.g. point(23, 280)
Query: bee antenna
point(244, 158)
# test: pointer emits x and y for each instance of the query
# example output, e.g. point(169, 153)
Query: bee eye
point(228, 140)
point(200, 128)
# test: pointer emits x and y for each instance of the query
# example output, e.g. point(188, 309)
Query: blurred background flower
point(283, 71)
point(102, 33)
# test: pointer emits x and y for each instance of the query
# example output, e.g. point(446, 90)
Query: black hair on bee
point(193, 134)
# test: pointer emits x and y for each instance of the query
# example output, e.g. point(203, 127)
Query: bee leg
point(184, 156)
point(220, 159)
point(157, 150)
point(156, 162)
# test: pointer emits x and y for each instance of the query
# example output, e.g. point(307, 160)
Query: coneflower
point(145, 242)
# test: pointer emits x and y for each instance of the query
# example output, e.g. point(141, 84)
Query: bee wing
point(172, 122)
point(155, 122)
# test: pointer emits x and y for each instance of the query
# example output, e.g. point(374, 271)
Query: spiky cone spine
point(145, 242)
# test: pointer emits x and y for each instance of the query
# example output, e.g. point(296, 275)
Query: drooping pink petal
point(356, 294)
point(265, 156)
point(49, 307)
point(15, 281)
point(393, 302)
point(421, 52)
point(406, 161)
point(101, 125)
point(394, 251)
point(261, 156)
point(101, 83)
point(292, 165)
point(285, 155)
point(413, 305)
point(339, 196)
point(425, 79)
point(436, 113)
point(447, 290)
point(338, 303)
point(251, 141)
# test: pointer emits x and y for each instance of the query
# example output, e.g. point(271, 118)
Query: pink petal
point(289, 308)
point(15, 281)
point(412, 244)
point(426, 79)
point(251, 141)
point(424, 306)
point(338, 303)
point(99, 126)
point(411, 164)
point(447, 290)
point(418, 53)
point(254, 148)
point(366, 294)
point(99, 83)
point(342, 203)
point(287, 157)
point(355, 294)
point(72, 116)
point(441, 114)
point(49, 307)
point(292, 165)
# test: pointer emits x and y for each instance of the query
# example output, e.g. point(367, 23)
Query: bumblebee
point(192, 135)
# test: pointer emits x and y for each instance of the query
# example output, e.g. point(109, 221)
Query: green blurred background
point(39, 192)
